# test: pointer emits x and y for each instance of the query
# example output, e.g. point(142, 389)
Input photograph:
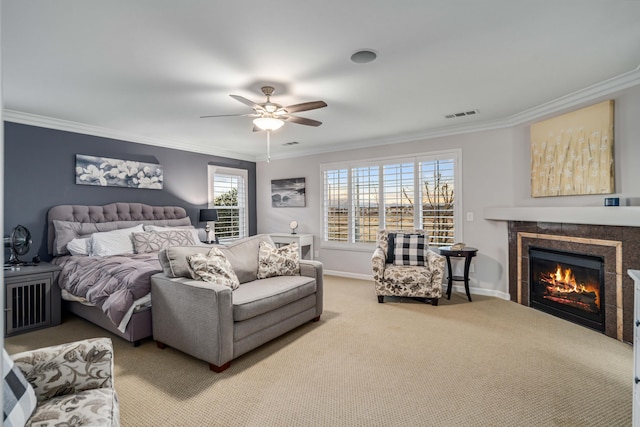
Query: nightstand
point(32, 298)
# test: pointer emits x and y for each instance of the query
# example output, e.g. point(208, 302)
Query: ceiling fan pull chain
point(268, 146)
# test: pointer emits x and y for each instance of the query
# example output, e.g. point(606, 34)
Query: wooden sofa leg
point(315, 319)
point(434, 301)
point(217, 369)
point(161, 345)
point(380, 299)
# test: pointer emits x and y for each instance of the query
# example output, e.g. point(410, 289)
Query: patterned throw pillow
point(19, 397)
point(282, 261)
point(213, 267)
point(410, 249)
point(155, 241)
point(391, 245)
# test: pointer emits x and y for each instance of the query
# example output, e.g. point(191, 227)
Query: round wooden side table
point(467, 253)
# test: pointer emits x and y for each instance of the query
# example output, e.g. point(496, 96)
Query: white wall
point(495, 172)
point(626, 147)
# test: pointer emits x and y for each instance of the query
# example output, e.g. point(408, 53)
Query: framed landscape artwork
point(573, 153)
point(288, 193)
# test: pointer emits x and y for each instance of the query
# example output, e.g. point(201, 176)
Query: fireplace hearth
point(568, 285)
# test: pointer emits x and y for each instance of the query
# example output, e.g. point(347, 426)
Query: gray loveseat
point(215, 324)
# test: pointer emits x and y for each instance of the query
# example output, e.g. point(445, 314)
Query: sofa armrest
point(313, 269)
point(193, 316)
point(378, 260)
point(68, 368)
point(436, 265)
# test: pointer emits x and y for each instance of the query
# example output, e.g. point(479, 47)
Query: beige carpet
point(486, 363)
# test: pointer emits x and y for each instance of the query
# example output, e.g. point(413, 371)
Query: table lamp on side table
point(207, 215)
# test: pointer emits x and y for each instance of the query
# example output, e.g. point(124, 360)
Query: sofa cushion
point(282, 261)
point(19, 397)
point(213, 267)
point(98, 407)
point(409, 249)
point(242, 254)
point(260, 296)
point(407, 274)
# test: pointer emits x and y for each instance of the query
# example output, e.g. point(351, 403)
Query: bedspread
point(111, 283)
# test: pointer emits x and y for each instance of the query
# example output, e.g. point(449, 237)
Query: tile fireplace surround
point(618, 245)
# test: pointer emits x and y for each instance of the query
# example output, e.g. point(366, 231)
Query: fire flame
point(563, 281)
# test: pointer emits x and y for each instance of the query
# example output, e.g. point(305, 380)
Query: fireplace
point(568, 285)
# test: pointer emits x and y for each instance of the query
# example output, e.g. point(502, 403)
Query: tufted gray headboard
point(116, 215)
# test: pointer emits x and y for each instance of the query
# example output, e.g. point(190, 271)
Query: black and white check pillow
point(19, 397)
point(410, 249)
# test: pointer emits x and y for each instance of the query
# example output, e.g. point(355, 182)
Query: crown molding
point(69, 126)
point(572, 100)
point(583, 96)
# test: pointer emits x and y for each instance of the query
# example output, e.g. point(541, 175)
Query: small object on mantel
point(612, 201)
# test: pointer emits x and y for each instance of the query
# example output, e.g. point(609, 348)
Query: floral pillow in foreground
point(282, 261)
point(213, 267)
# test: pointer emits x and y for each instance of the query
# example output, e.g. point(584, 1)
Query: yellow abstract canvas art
point(573, 153)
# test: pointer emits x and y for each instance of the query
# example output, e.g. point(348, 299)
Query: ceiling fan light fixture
point(268, 123)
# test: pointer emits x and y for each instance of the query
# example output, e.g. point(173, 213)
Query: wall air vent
point(291, 143)
point(463, 114)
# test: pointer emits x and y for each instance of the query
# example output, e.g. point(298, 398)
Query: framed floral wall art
point(103, 171)
point(573, 153)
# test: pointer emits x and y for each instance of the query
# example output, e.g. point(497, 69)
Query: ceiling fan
point(271, 116)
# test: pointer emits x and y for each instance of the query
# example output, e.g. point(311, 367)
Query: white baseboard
point(456, 288)
point(349, 275)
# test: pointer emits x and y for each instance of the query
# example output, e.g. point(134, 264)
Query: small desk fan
point(19, 242)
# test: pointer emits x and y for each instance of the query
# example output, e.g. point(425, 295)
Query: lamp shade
point(208, 215)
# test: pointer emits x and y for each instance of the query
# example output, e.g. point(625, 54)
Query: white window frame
point(243, 214)
point(455, 154)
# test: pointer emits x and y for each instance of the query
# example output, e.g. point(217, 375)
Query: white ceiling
point(146, 70)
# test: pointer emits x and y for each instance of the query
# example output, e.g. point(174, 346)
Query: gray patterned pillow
point(213, 267)
point(282, 261)
point(155, 241)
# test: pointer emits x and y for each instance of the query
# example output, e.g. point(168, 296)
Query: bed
point(112, 290)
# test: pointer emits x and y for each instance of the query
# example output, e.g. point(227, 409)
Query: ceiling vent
point(463, 114)
point(291, 143)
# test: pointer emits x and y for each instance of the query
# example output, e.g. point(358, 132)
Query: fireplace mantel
point(628, 216)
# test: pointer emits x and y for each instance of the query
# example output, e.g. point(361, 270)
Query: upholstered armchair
point(404, 266)
point(67, 384)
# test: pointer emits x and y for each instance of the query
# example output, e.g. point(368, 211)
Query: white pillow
point(116, 242)
point(79, 246)
point(190, 228)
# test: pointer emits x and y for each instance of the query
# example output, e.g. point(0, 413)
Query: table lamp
point(209, 215)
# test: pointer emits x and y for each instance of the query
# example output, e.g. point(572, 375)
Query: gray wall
point(39, 173)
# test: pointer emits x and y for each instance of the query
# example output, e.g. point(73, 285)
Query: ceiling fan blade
point(245, 101)
point(302, 121)
point(305, 106)
point(231, 115)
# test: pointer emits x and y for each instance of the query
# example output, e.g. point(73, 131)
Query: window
point(228, 195)
point(401, 194)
